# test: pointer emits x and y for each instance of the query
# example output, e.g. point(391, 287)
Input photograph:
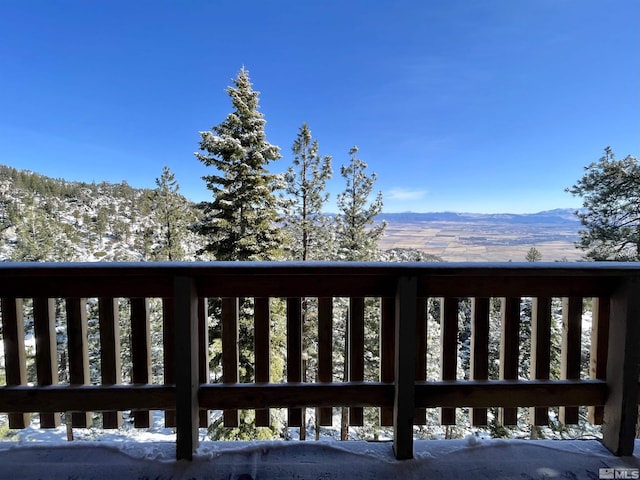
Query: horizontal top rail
point(275, 279)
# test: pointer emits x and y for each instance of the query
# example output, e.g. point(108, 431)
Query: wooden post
point(14, 353)
point(110, 360)
point(420, 415)
point(387, 352)
point(599, 347)
point(140, 354)
point(325, 353)
point(356, 353)
point(405, 362)
point(294, 354)
point(571, 350)
point(230, 353)
point(186, 367)
point(262, 348)
point(449, 350)
point(78, 352)
point(44, 325)
point(203, 352)
point(479, 351)
point(509, 352)
point(169, 357)
point(540, 352)
point(621, 408)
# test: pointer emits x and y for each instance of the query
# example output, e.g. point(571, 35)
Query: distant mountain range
point(564, 216)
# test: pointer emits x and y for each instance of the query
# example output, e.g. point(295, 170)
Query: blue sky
point(460, 105)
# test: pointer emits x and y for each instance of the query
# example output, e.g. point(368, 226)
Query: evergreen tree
point(241, 221)
point(306, 181)
point(611, 208)
point(34, 235)
point(358, 234)
point(171, 212)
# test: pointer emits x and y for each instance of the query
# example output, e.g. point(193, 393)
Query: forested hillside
point(45, 219)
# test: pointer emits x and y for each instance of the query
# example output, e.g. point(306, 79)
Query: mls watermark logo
point(618, 472)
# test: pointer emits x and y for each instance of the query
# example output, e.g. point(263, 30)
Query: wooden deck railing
point(402, 390)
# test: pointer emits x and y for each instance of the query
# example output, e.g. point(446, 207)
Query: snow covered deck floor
point(325, 460)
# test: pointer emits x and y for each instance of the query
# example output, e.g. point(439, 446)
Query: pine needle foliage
point(306, 182)
point(241, 222)
point(358, 233)
point(610, 189)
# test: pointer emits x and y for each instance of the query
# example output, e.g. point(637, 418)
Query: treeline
point(45, 219)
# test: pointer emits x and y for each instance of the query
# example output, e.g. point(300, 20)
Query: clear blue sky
point(471, 106)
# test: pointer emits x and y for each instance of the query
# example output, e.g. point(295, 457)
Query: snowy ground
point(139, 454)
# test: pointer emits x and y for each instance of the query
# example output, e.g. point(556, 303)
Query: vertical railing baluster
point(44, 324)
point(621, 409)
point(509, 353)
point(540, 351)
point(15, 362)
point(294, 354)
point(262, 347)
point(420, 416)
point(186, 366)
point(356, 353)
point(387, 352)
point(600, 311)
point(78, 352)
point(230, 358)
point(479, 367)
point(141, 353)
point(405, 371)
point(110, 360)
point(169, 356)
point(203, 352)
point(449, 351)
point(325, 353)
point(571, 350)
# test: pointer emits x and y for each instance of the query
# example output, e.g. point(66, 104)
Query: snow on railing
point(400, 387)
